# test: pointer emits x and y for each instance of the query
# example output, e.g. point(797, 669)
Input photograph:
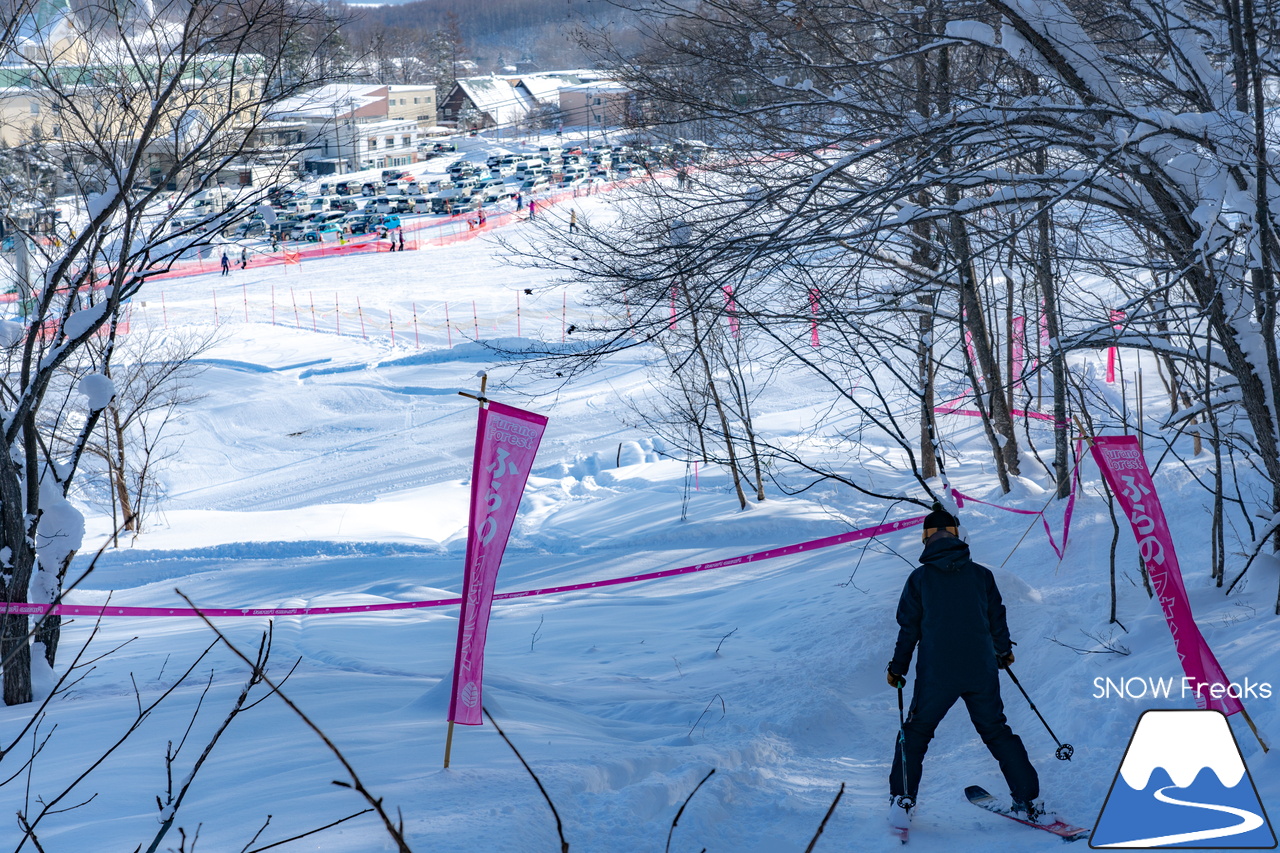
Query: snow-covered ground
point(327, 465)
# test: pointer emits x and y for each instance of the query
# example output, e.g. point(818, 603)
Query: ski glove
point(897, 682)
point(1005, 660)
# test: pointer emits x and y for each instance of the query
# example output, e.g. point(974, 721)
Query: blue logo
point(1183, 783)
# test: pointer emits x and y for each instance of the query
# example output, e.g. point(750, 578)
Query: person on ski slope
point(951, 608)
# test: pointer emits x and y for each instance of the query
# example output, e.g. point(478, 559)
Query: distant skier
point(951, 608)
point(573, 220)
point(226, 263)
point(533, 207)
point(244, 258)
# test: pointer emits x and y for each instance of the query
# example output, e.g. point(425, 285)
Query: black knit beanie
point(940, 518)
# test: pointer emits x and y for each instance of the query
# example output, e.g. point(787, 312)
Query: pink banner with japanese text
point(506, 442)
point(814, 295)
point(1125, 470)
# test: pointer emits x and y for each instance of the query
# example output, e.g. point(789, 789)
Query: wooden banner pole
point(1262, 743)
point(448, 745)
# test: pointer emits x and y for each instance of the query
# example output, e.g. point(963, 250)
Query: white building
point(350, 127)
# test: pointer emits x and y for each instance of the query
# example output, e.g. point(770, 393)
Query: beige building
point(412, 102)
point(595, 105)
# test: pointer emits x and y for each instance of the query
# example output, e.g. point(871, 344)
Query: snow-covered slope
point(330, 467)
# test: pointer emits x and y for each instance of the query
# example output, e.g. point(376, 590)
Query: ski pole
point(1065, 750)
point(906, 801)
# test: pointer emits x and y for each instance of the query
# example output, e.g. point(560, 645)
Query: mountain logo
point(1182, 784)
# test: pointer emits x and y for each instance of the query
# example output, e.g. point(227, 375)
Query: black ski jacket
point(951, 607)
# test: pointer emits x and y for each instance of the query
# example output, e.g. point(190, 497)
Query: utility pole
point(337, 137)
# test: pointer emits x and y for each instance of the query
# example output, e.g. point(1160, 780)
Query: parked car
point(498, 193)
point(389, 175)
point(281, 228)
point(357, 223)
point(533, 164)
point(255, 228)
point(315, 235)
point(373, 188)
point(446, 202)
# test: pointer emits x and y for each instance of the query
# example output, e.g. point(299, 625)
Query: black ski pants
point(986, 710)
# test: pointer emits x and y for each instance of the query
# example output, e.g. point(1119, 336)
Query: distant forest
point(529, 34)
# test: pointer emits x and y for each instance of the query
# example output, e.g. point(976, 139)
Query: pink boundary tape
point(952, 409)
point(812, 545)
point(960, 498)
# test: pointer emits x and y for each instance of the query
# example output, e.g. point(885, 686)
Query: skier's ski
point(1065, 831)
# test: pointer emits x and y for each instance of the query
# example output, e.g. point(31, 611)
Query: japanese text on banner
point(1120, 459)
point(506, 443)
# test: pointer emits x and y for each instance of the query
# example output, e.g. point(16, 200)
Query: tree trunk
point(119, 477)
point(715, 396)
point(1057, 358)
point(1004, 437)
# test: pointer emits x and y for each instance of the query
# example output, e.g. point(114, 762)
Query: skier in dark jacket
point(951, 609)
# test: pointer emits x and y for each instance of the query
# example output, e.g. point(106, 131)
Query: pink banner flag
point(1116, 317)
point(1019, 349)
point(1120, 459)
point(731, 307)
point(813, 308)
point(1044, 331)
point(506, 442)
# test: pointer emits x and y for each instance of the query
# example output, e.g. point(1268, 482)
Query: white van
point(525, 166)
